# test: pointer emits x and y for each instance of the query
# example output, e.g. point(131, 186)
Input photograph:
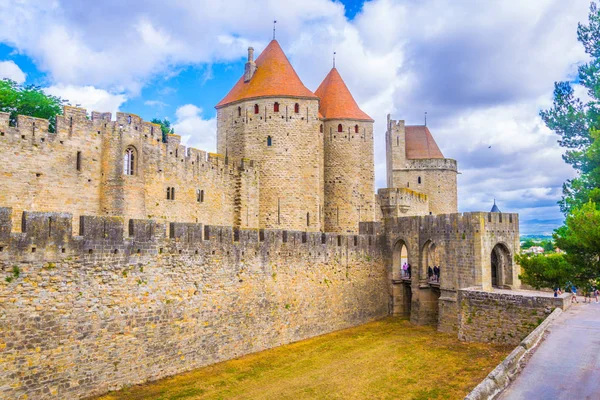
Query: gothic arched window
point(129, 161)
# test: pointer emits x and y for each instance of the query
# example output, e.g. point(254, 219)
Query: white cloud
point(88, 97)
point(482, 70)
point(194, 130)
point(10, 70)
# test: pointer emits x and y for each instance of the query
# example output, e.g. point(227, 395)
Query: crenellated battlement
point(75, 123)
point(398, 202)
point(49, 236)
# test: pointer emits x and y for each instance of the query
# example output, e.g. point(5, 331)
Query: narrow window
point(398, 141)
point(419, 180)
point(269, 141)
point(307, 219)
point(340, 129)
point(172, 193)
point(276, 107)
point(78, 161)
point(321, 128)
point(129, 119)
point(355, 128)
point(168, 193)
point(129, 161)
point(200, 196)
point(256, 109)
point(296, 108)
point(239, 111)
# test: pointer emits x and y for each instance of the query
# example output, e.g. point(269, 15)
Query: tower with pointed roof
point(270, 117)
point(415, 163)
point(349, 175)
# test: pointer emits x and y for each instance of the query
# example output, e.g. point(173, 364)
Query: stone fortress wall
point(124, 302)
point(80, 168)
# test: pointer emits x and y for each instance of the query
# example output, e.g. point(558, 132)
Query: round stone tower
point(270, 117)
point(349, 175)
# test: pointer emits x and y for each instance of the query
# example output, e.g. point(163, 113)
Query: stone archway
point(429, 258)
point(401, 283)
point(501, 265)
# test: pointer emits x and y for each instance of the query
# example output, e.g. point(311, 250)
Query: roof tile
point(420, 143)
point(336, 100)
point(274, 77)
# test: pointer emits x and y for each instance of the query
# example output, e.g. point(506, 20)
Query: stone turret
point(270, 116)
point(349, 175)
point(414, 161)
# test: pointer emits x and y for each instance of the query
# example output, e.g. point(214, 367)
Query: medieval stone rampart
point(81, 168)
point(126, 301)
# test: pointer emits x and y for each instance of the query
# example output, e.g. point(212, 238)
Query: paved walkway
point(567, 364)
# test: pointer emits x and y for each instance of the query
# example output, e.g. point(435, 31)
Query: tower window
point(276, 107)
point(340, 128)
point(129, 161)
point(419, 180)
point(256, 109)
point(355, 128)
point(239, 111)
point(170, 193)
point(200, 196)
point(78, 161)
point(307, 219)
point(269, 141)
point(321, 128)
point(296, 108)
point(129, 119)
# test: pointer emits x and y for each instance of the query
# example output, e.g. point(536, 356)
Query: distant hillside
point(536, 238)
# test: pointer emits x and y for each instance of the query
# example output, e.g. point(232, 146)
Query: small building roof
point(337, 101)
point(274, 77)
point(420, 143)
point(495, 207)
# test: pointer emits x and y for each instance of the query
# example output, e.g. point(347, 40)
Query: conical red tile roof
point(420, 143)
point(274, 77)
point(337, 101)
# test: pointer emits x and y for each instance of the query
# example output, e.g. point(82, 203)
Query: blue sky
point(482, 71)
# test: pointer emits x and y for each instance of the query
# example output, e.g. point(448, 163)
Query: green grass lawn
point(387, 359)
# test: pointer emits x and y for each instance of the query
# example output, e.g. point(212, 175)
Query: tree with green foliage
point(545, 271)
point(165, 126)
point(29, 100)
point(578, 125)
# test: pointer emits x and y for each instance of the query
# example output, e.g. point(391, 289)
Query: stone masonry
point(123, 303)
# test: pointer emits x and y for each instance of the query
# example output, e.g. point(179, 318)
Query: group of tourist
point(433, 273)
point(590, 291)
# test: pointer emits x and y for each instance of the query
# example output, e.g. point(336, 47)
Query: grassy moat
point(387, 359)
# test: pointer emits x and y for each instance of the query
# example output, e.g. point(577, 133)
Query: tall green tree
point(574, 120)
point(578, 125)
point(29, 100)
point(165, 126)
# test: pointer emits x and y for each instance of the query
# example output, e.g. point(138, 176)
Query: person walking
point(430, 273)
point(574, 292)
point(596, 292)
point(404, 268)
point(409, 270)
